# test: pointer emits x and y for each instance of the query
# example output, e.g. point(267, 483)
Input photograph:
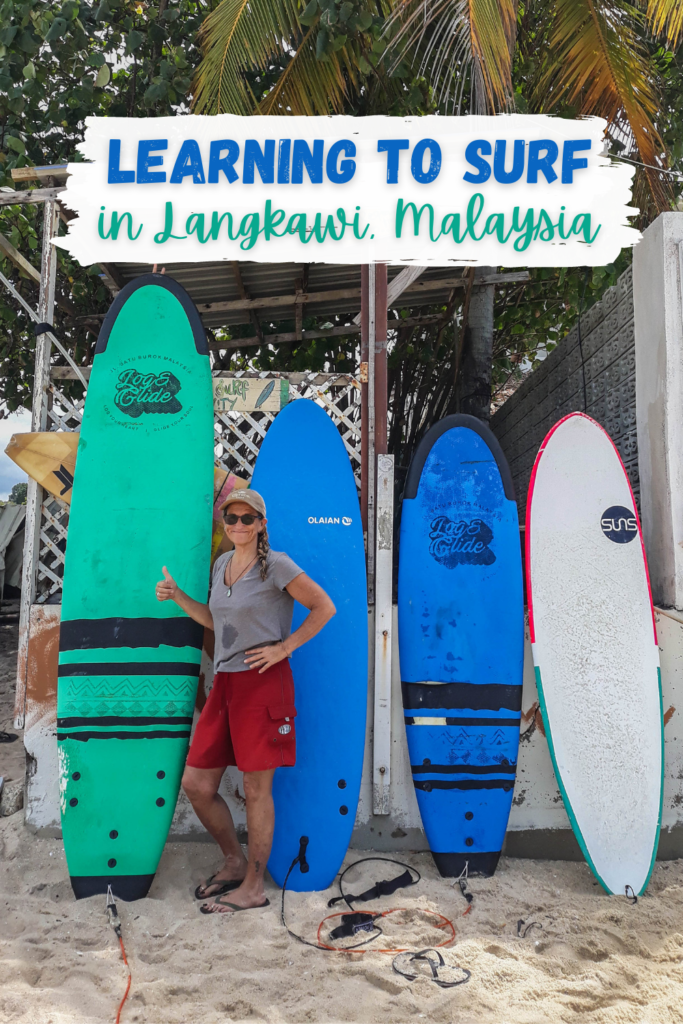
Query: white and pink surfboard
point(595, 650)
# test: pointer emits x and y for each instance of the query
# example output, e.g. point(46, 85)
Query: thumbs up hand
point(167, 589)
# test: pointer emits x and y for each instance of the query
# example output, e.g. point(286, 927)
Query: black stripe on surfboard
point(72, 723)
point(433, 435)
point(410, 720)
point(129, 668)
point(452, 865)
point(161, 281)
point(456, 696)
point(85, 634)
point(157, 734)
point(124, 887)
point(427, 785)
point(464, 769)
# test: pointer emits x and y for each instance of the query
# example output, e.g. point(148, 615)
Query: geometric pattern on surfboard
point(596, 656)
point(128, 666)
point(461, 641)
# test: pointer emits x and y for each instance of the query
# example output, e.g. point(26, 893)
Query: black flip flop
point(233, 906)
point(235, 883)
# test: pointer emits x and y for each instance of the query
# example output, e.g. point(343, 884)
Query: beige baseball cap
point(249, 497)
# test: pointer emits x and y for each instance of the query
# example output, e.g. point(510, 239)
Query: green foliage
point(531, 319)
point(61, 63)
point(18, 494)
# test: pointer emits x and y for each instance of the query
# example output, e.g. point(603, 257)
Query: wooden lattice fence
point(238, 437)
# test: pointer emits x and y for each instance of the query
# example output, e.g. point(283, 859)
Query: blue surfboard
point(461, 641)
point(305, 477)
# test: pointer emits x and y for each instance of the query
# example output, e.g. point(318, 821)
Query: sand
point(592, 959)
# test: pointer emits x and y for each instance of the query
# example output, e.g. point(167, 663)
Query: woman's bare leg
point(201, 786)
point(258, 790)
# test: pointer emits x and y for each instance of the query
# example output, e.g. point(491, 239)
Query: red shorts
point(247, 721)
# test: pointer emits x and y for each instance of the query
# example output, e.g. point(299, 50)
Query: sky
point(10, 474)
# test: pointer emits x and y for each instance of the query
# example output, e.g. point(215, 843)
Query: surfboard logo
point(137, 393)
point(461, 543)
point(619, 524)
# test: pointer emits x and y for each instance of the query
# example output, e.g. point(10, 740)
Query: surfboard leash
point(356, 922)
point(115, 922)
point(461, 881)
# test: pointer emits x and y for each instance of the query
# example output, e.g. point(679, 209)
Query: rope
point(125, 995)
point(115, 922)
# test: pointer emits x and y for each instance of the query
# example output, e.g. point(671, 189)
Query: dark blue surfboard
point(461, 641)
point(305, 477)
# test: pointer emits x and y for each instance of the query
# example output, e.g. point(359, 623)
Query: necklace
point(230, 583)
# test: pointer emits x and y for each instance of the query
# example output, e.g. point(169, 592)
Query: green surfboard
point(128, 665)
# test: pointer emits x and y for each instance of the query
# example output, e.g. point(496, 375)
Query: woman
point(248, 718)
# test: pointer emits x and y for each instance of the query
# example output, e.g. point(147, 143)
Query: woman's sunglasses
point(231, 519)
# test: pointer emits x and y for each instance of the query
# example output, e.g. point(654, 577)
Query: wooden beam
point(238, 305)
point(339, 294)
point(17, 259)
point(23, 264)
point(66, 373)
point(288, 337)
point(36, 195)
point(40, 173)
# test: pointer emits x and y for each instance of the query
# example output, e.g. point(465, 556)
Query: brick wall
point(556, 389)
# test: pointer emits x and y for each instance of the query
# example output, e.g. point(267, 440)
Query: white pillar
point(34, 494)
point(658, 307)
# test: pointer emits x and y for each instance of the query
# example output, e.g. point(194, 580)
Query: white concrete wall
point(538, 823)
point(658, 311)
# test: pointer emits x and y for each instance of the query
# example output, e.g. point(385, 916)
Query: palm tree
point(321, 57)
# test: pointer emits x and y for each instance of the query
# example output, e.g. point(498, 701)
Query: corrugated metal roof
point(216, 282)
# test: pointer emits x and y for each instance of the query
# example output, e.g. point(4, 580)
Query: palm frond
point(310, 86)
point(665, 18)
point(453, 41)
point(597, 63)
point(250, 35)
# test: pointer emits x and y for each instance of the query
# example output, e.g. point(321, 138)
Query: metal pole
point(372, 469)
point(34, 496)
point(381, 750)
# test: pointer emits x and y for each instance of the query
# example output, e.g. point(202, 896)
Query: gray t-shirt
point(257, 611)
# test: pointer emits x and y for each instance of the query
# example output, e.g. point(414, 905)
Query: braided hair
point(262, 551)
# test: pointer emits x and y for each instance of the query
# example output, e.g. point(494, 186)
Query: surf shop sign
point(512, 190)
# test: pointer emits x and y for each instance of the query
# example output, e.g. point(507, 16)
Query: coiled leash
point(385, 887)
point(357, 922)
point(401, 963)
point(115, 922)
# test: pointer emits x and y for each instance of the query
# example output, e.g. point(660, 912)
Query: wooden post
point(381, 396)
point(381, 735)
point(364, 399)
point(34, 495)
point(378, 502)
